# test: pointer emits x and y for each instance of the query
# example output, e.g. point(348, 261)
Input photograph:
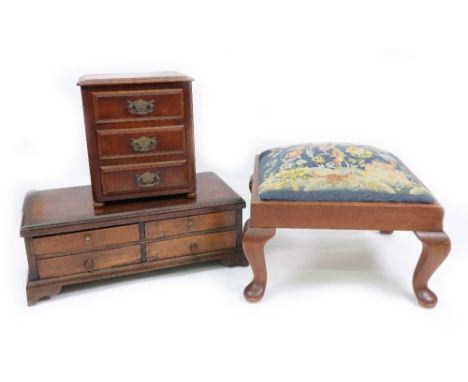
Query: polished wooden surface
point(436, 247)
point(120, 179)
point(116, 143)
point(88, 261)
point(168, 103)
point(191, 245)
point(426, 220)
point(170, 227)
point(68, 241)
point(254, 241)
point(112, 125)
point(74, 205)
point(85, 240)
point(131, 78)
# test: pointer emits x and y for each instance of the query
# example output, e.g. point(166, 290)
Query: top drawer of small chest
point(137, 105)
point(134, 97)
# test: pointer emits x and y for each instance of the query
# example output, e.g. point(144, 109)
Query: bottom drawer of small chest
point(143, 177)
point(191, 245)
point(88, 262)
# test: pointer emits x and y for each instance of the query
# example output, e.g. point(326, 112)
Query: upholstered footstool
point(341, 186)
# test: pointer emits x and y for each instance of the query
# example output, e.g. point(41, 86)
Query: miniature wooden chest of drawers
point(68, 241)
point(139, 132)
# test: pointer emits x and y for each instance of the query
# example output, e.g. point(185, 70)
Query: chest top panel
point(70, 206)
point(132, 78)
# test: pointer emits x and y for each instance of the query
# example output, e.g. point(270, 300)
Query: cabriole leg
point(253, 242)
point(436, 247)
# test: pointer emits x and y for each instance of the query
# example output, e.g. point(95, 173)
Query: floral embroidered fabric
point(338, 172)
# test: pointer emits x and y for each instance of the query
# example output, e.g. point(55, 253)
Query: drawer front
point(144, 177)
point(191, 245)
point(85, 240)
point(137, 105)
point(170, 227)
point(88, 262)
point(138, 142)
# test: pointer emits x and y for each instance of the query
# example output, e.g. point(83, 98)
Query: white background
point(339, 305)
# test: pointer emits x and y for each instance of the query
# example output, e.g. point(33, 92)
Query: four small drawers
point(88, 251)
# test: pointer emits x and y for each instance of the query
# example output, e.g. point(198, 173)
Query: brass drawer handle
point(87, 239)
point(148, 179)
point(140, 107)
point(88, 264)
point(193, 247)
point(143, 144)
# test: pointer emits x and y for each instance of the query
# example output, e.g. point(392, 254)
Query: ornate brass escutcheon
point(143, 144)
point(148, 179)
point(140, 106)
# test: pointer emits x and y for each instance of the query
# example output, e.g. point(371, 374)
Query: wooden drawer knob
point(193, 247)
point(88, 264)
point(87, 239)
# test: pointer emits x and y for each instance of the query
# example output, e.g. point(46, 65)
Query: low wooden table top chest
point(139, 132)
point(68, 241)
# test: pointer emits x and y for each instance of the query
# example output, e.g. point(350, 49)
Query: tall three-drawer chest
point(139, 132)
